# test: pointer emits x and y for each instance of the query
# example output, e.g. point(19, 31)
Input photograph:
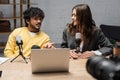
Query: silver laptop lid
point(50, 60)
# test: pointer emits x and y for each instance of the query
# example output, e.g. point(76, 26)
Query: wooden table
point(19, 70)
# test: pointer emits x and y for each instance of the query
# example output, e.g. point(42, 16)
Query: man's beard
point(34, 28)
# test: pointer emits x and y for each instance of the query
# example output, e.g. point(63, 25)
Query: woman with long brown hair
point(93, 41)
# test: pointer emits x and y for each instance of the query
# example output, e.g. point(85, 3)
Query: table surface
point(19, 70)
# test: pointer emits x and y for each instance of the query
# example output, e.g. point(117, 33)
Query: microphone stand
point(20, 52)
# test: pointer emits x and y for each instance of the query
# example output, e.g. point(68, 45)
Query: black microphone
point(19, 42)
point(35, 47)
point(0, 73)
point(78, 41)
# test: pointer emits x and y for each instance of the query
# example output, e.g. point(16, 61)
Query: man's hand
point(49, 45)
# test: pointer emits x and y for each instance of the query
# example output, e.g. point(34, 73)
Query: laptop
point(50, 60)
